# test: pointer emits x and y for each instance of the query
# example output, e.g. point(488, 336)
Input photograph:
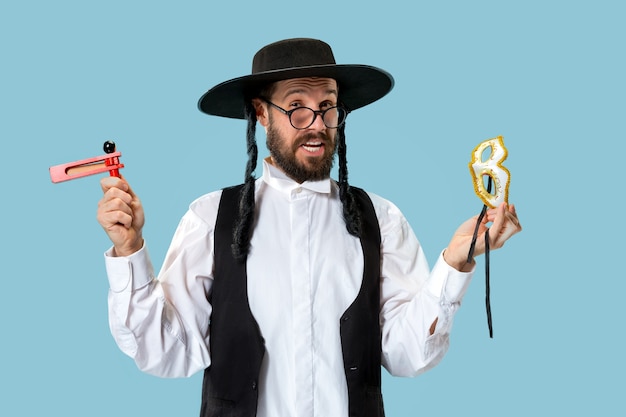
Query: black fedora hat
point(359, 85)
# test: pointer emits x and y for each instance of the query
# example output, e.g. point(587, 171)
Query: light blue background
point(547, 75)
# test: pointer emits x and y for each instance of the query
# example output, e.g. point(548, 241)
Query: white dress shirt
point(304, 270)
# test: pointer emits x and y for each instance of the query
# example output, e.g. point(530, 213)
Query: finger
point(114, 212)
point(498, 227)
point(106, 183)
point(119, 217)
point(119, 204)
point(497, 217)
point(130, 190)
point(503, 237)
point(492, 213)
point(115, 200)
point(512, 213)
point(512, 218)
point(121, 189)
point(117, 194)
point(113, 219)
point(510, 226)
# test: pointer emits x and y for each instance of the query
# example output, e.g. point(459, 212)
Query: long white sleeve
point(164, 324)
point(412, 297)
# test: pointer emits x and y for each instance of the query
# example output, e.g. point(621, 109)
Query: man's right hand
point(120, 214)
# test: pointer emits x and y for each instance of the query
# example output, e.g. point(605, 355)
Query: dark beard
point(285, 158)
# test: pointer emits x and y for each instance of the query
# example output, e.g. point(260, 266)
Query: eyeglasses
point(303, 117)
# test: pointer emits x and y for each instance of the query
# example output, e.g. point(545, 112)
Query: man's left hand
point(505, 224)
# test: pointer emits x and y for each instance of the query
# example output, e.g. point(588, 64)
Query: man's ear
point(261, 111)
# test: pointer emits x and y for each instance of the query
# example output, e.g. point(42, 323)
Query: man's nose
point(318, 122)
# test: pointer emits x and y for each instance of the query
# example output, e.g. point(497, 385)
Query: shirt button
point(254, 385)
point(298, 190)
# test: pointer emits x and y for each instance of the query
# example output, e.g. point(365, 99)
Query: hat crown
point(292, 53)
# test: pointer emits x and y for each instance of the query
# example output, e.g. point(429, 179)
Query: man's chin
point(308, 173)
point(301, 168)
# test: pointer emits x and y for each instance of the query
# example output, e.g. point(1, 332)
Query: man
point(291, 290)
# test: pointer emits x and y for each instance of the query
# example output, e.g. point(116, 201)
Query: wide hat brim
point(359, 85)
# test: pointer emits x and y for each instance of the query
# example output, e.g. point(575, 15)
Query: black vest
point(237, 347)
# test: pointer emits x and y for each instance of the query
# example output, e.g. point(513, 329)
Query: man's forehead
point(295, 85)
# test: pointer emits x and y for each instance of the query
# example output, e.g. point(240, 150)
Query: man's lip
point(314, 148)
point(312, 141)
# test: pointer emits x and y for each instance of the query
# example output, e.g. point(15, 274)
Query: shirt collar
point(276, 178)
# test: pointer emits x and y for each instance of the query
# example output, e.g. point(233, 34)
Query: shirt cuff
point(128, 273)
point(447, 282)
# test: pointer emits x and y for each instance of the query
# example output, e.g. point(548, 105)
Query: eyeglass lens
point(303, 117)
